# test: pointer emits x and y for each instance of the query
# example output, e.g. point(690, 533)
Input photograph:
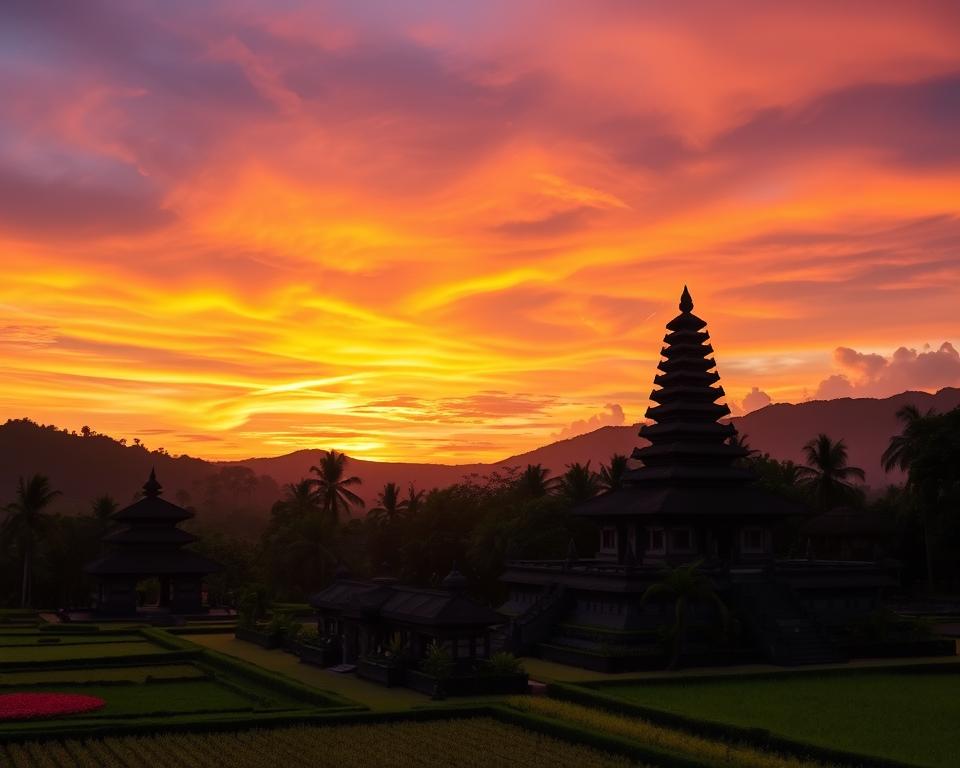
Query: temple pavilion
point(690, 499)
point(146, 543)
point(365, 617)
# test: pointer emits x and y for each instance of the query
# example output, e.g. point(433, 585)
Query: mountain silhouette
point(86, 467)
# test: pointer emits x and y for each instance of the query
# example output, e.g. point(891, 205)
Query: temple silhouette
point(692, 500)
point(147, 543)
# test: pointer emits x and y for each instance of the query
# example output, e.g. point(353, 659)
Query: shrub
point(504, 663)
point(438, 662)
point(253, 606)
point(284, 626)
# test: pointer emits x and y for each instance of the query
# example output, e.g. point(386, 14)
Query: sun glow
point(454, 237)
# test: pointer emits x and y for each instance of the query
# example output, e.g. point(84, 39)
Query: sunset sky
point(453, 231)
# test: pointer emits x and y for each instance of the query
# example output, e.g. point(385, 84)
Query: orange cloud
point(449, 232)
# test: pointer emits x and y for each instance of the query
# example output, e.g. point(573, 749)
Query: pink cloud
point(873, 375)
point(756, 399)
point(612, 416)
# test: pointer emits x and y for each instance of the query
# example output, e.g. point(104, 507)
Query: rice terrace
point(528, 384)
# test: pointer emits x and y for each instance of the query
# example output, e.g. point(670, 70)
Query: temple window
point(656, 541)
point(608, 538)
point(681, 540)
point(753, 540)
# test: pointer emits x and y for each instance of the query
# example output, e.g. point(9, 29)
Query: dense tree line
point(316, 528)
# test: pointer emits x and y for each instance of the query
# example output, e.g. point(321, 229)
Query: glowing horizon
point(454, 232)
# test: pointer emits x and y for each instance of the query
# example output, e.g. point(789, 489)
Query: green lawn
point(372, 695)
point(204, 686)
point(98, 674)
point(174, 697)
point(71, 652)
point(50, 638)
point(906, 716)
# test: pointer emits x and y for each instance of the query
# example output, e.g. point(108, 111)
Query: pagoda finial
point(686, 301)
point(152, 487)
point(454, 581)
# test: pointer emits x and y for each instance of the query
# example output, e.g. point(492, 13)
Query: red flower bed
point(24, 706)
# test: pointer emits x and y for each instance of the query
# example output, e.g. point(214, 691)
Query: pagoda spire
point(688, 442)
point(152, 488)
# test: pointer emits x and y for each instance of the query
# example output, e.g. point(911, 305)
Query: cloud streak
point(454, 232)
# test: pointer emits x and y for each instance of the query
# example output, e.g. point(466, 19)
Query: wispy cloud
point(425, 230)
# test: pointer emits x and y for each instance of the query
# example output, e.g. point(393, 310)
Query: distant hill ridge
point(86, 467)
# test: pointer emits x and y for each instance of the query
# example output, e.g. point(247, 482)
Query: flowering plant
point(25, 706)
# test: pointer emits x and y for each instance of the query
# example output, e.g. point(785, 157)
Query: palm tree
point(904, 452)
point(827, 474)
point(612, 474)
point(535, 481)
point(102, 508)
point(390, 506)
point(299, 501)
point(905, 447)
point(579, 483)
point(26, 523)
point(685, 584)
point(740, 441)
point(414, 500)
point(333, 487)
point(301, 529)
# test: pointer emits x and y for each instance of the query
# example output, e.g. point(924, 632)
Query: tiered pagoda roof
point(147, 541)
point(690, 465)
point(688, 442)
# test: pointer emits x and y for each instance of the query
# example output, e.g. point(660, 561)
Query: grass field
point(166, 698)
point(80, 651)
point(10, 639)
point(369, 694)
point(195, 683)
point(99, 674)
point(906, 716)
point(473, 743)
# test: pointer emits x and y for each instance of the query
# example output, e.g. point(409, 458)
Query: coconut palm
point(26, 523)
point(102, 508)
point(906, 452)
point(390, 507)
point(613, 474)
point(827, 476)
point(303, 532)
point(414, 500)
point(685, 585)
point(740, 441)
point(299, 501)
point(333, 487)
point(535, 481)
point(904, 448)
point(579, 483)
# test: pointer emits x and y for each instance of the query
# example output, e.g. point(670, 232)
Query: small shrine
point(146, 542)
point(367, 616)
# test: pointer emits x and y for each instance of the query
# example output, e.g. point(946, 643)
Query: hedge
point(129, 660)
point(226, 628)
point(840, 670)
